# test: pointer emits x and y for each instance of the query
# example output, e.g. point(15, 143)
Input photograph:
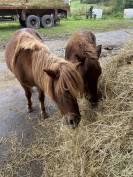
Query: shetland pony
point(34, 65)
point(81, 47)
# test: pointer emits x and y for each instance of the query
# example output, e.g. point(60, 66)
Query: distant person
point(90, 12)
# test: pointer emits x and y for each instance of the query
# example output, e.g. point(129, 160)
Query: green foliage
point(93, 1)
point(78, 8)
point(115, 6)
point(119, 5)
point(128, 3)
point(89, 1)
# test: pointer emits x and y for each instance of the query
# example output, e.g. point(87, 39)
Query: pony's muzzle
point(72, 120)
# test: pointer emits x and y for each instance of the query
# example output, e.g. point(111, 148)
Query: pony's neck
point(43, 59)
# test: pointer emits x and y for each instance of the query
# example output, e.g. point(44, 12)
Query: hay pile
point(102, 146)
point(42, 3)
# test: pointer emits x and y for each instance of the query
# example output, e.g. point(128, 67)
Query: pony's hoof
point(44, 115)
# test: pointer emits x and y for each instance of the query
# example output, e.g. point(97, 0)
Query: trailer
point(32, 14)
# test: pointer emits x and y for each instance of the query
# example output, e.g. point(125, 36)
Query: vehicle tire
point(47, 21)
point(33, 21)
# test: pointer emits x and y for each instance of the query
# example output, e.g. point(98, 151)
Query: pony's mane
point(69, 79)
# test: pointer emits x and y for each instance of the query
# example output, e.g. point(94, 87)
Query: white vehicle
point(98, 13)
point(128, 13)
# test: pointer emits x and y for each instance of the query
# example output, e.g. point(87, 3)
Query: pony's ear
point(53, 74)
point(99, 49)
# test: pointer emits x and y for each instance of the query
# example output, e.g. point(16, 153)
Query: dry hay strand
point(102, 145)
point(34, 3)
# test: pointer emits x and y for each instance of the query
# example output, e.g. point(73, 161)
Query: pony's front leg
point(28, 94)
point(42, 105)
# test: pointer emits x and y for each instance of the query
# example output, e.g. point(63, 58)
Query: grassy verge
point(7, 29)
point(67, 27)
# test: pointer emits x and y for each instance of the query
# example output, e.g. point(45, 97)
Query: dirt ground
point(13, 114)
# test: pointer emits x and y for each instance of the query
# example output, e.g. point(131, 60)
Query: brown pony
point(34, 65)
point(82, 48)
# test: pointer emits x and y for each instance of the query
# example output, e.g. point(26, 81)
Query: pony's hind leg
point(42, 105)
point(28, 94)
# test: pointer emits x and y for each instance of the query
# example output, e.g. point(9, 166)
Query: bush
point(93, 1)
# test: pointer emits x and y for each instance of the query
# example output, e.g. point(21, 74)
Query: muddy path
point(13, 114)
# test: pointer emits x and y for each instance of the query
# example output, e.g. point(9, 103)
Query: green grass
point(6, 30)
point(67, 27)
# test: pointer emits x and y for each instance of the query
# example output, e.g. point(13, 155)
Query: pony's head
point(89, 68)
point(64, 87)
point(82, 49)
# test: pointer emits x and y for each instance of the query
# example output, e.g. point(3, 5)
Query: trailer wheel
point(33, 21)
point(47, 21)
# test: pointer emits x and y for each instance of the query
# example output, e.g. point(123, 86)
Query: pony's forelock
point(69, 79)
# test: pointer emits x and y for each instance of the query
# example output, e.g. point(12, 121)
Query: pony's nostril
point(71, 122)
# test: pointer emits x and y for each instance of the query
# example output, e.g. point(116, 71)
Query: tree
point(119, 5)
point(128, 3)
